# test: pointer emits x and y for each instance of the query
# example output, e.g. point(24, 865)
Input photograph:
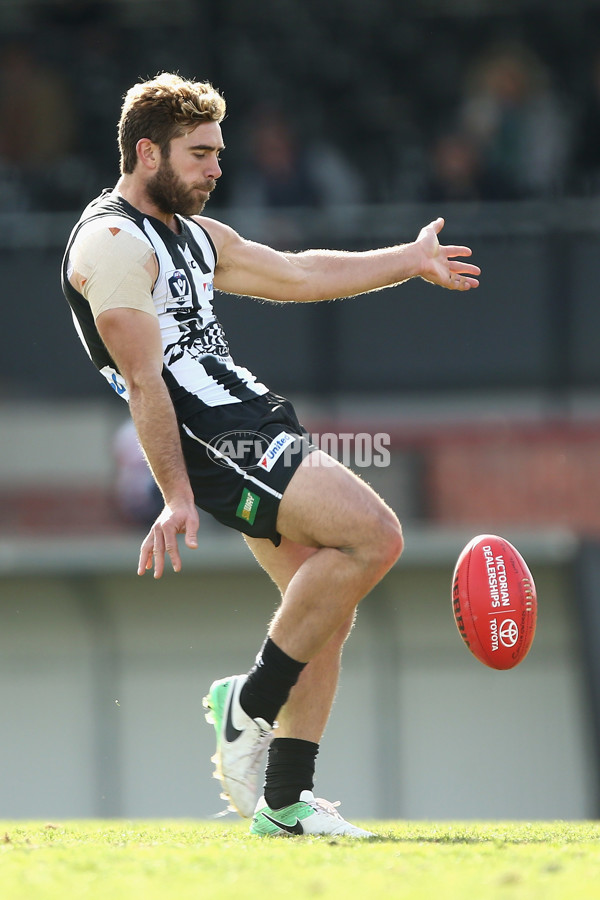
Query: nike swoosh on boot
point(296, 828)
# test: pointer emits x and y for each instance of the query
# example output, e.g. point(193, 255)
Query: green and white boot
point(308, 816)
point(241, 742)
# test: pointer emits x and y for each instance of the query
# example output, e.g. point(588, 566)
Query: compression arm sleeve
point(110, 265)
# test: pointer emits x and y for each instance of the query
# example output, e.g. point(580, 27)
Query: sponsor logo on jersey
point(248, 506)
point(117, 384)
point(116, 381)
point(274, 451)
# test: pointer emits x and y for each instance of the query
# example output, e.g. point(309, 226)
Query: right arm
point(115, 272)
point(132, 338)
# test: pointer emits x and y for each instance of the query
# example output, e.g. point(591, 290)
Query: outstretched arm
point(255, 270)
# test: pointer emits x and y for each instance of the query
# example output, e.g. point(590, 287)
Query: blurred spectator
point(275, 173)
point(457, 172)
point(518, 121)
point(281, 172)
point(36, 124)
point(136, 494)
point(335, 180)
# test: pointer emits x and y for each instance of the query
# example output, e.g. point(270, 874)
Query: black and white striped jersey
point(198, 369)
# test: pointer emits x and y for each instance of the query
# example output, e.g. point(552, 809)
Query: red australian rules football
point(494, 601)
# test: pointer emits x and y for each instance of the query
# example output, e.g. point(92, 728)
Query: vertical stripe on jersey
point(226, 378)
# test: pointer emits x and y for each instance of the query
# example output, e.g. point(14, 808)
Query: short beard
point(168, 193)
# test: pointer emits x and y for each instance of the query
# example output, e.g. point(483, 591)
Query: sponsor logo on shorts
point(248, 506)
point(244, 448)
point(274, 451)
point(256, 450)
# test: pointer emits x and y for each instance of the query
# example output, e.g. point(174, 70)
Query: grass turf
point(179, 860)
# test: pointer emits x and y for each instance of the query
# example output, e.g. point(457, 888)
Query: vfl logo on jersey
point(274, 451)
point(179, 286)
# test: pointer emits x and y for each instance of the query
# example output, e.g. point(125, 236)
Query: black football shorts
point(240, 458)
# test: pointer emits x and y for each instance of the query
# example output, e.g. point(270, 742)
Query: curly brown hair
point(163, 108)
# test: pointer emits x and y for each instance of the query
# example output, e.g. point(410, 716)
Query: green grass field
point(180, 860)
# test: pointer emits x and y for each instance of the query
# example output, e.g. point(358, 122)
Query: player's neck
point(132, 190)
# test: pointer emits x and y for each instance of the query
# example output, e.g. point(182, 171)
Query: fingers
point(457, 266)
point(158, 550)
point(145, 560)
point(162, 541)
point(453, 250)
point(465, 284)
point(152, 552)
point(191, 540)
point(462, 275)
point(170, 532)
point(170, 545)
point(461, 283)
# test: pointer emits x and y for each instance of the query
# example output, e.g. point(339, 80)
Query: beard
point(168, 192)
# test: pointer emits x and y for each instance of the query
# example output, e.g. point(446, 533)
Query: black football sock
point(290, 770)
point(269, 682)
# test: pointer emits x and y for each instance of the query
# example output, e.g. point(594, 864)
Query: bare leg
point(306, 713)
point(320, 584)
point(356, 539)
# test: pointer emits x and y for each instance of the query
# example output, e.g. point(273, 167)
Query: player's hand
point(437, 265)
point(175, 519)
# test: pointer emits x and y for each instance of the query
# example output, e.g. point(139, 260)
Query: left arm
point(255, 270)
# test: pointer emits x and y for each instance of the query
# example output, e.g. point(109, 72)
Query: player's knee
point(393, 541)
point(386, 542)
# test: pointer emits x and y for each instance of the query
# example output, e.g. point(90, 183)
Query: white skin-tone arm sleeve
point(113, 269)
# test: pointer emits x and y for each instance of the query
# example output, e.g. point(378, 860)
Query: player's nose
point(214, 170)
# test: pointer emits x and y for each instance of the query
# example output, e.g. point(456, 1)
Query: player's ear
point(148, 153)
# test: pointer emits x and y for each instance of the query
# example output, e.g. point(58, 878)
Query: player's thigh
point(327, 505)
point(282, 562)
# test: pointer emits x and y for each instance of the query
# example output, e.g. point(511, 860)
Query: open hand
point(162, 538)
point(438, 267)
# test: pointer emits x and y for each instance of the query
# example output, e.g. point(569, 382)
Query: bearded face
point(172, 195)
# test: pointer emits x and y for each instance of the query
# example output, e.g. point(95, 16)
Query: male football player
point(139, 272)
